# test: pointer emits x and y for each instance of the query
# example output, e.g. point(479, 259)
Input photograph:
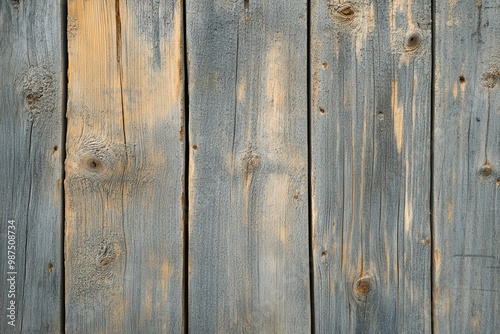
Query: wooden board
point(248, 203)
point(125, 166)
point(31, 167)
point(370, 168)
point(466, 184)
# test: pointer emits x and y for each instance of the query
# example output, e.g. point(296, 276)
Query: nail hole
point(56, 148)
point(50, 267)
point(195, 147)
point(321, 110)
point(462, 79)
point(325, 64)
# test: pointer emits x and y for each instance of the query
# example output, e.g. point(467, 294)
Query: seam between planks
point(309, 165)
point(431, 155)
point(185, 279)
point(64, 102)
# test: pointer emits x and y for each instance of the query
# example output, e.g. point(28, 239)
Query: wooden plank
point(31, 170)
point(125, 166)
point(467, 167)
point(248, 203)
point(370, 173)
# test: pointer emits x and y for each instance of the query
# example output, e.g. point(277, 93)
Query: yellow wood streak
point(397, 112)
point(242, 86)
point(276, 83)
point(408, 200)
point(450, 211)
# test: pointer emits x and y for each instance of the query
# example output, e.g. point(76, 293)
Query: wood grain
point(467, 167)
point(31, 169)
point(248, 204)
point(370, 168)
point(124, 168)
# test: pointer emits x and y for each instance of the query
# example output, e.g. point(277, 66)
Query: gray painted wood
point(370, 173)
point(31, 131)
point(467, 167)
point(124, 167)
point(248, 203)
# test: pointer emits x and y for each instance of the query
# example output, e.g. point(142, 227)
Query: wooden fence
point(250, 166)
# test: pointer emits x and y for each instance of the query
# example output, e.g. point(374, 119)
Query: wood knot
point(98, 264)
point(96, 160)
point(38, 89)
point(427, 241)
point(107, 254)
point(486, 170)
point(33, 99)
point(345, 10)
point(413, 40)
point(491, 77)
point(249, 162)
point(380, 116)
point(93, 164)
point(253, 162)
point(96, 167)
point(363, 286)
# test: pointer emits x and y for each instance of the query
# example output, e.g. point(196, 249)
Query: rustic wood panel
point(467, 167)
point(370, 174)
point(31, 132)
point(125, 166)
point(248, 203)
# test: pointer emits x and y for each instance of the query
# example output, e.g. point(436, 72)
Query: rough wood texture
point(467, 167)
point(370, 138)
point(31, 114)
point(248, 220)
point(124, 168)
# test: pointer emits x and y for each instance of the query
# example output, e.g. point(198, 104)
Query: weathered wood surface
point(124, 167)
point(31, 132)
point(370, 168)
point(248, 203)
point(467, 167)
point(376, 260)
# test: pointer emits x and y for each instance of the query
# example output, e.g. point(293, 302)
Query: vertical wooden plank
point(370, 174)
point(467, 167)
point(31, 114)
point(248, 221)
point(125, 166)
